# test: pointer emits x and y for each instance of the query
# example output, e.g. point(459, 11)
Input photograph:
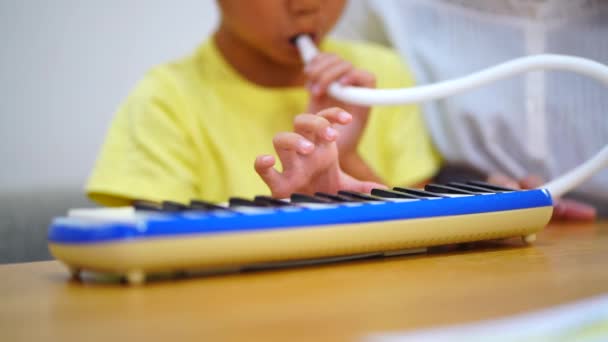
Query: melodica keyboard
point(150, 238)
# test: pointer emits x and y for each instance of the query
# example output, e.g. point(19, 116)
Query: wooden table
point(342, 301)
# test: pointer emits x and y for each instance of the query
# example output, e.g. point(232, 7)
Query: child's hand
point(309, 157)
point(325, 69)
point(563, 209)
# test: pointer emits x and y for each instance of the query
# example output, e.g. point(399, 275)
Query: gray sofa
point(25, 215)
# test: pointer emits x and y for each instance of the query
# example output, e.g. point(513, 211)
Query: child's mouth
point(293, 39)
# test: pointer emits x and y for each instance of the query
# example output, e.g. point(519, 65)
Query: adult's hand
point(563, 209)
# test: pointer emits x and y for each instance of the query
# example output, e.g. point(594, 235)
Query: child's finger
point(329, 75)
point(366, 187)
point(318, 69)
point(293, 142)
point(264, 166)
point(320, 62)
point(360, 78)
point(314, 127)
point(289, 146)
point(336, 115)
point(353, 184)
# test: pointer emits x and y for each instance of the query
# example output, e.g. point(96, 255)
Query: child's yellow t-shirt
point(193, 128)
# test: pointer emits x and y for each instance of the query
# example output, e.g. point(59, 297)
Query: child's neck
point(255, 66)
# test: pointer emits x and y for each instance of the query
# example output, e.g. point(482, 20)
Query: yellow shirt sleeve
point(148, 153)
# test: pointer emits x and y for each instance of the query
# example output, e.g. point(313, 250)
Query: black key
point(489, 186)
point(173, 207)
point(242, 202)
point(469, 187)
point(392, 194)
point(359, 195)
point(146, 205)
point(272, 202)
point(418, 192)
point(301, 198)
point(337, 198)
point(446, 189)
point(206, 206)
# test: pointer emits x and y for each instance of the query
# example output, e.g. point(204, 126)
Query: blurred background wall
point(65, 65)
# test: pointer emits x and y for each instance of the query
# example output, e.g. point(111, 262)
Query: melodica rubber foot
point(529, 238)
point(135, 277)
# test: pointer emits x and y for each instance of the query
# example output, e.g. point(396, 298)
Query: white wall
point(65, 65)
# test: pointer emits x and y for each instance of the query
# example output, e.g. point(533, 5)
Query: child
point(191, 129)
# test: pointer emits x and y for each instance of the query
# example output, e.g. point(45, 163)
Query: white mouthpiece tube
point(370, 97)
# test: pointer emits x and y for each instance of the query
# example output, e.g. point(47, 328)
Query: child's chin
point(287, 57)
point(292, 61)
